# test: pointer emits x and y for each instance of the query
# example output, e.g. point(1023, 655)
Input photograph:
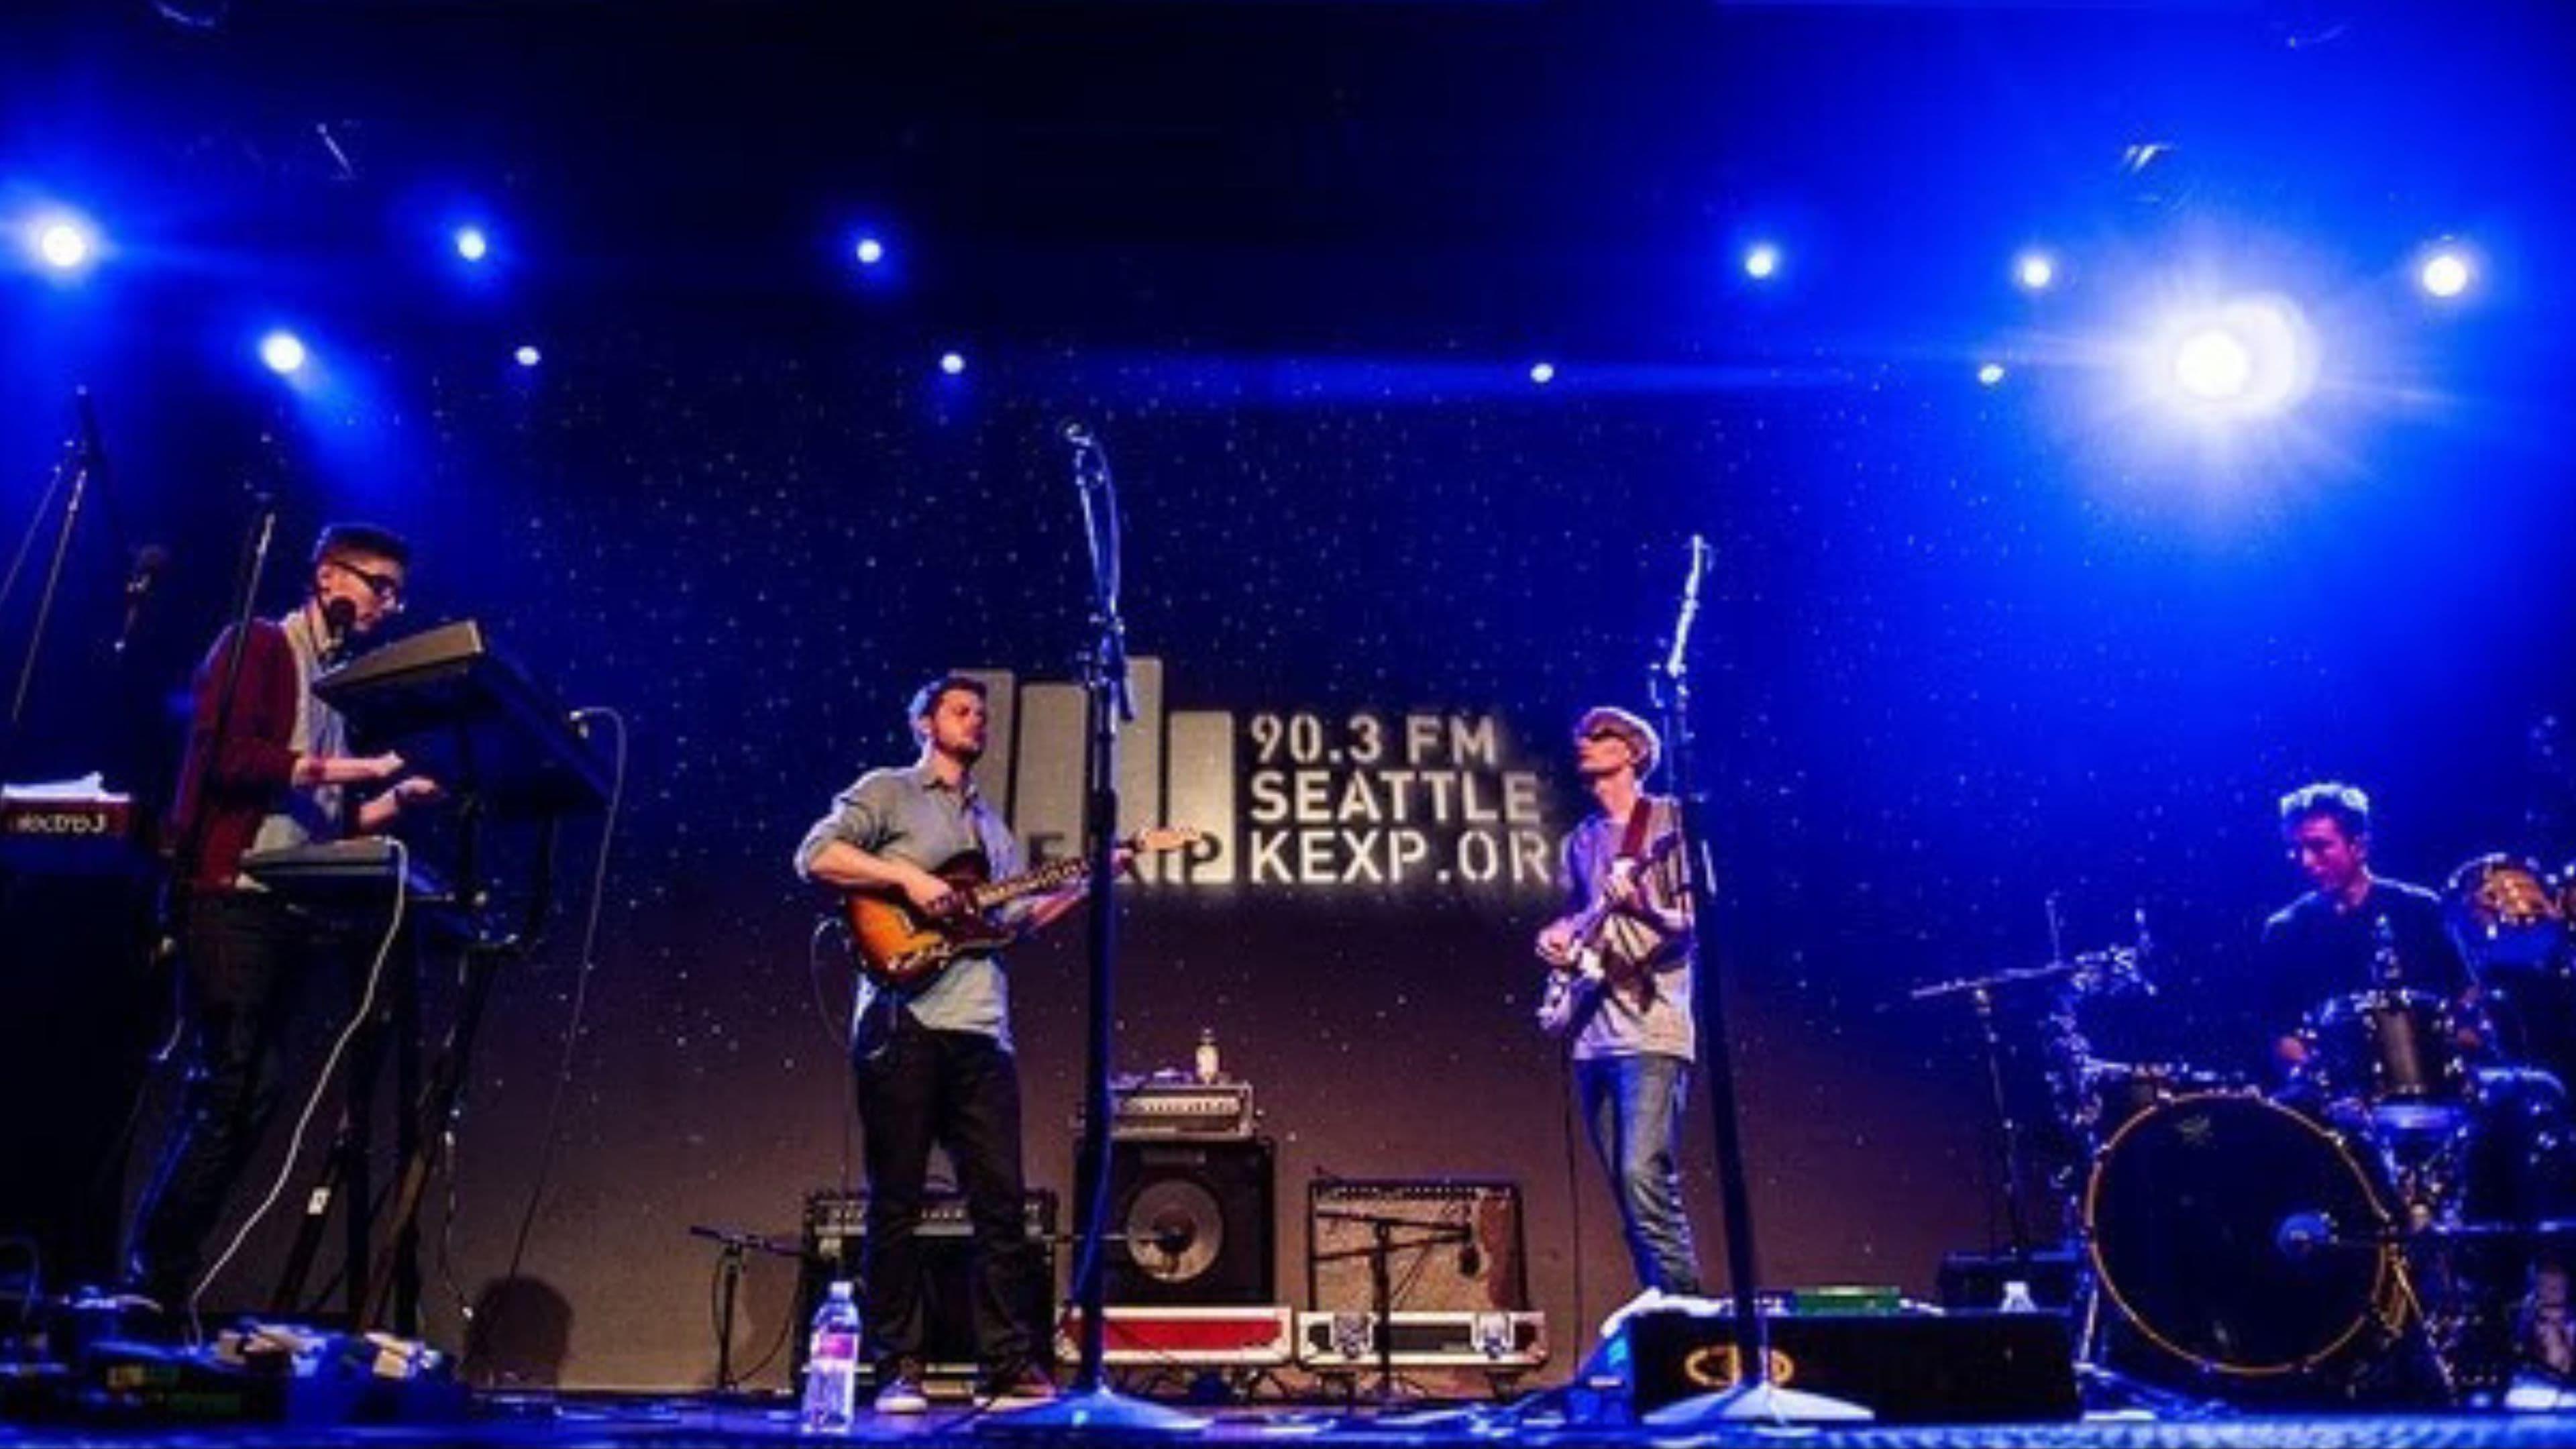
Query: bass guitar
point(899, 945)
point(1571, 986)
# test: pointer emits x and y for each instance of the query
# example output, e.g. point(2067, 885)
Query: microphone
point(149, 560)
point(2146, 952)
point(339, 616)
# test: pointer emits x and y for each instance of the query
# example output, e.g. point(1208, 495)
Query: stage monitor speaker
point(1189, 1223)
point(1453, 1245)
point(1907, 1368)
point(835, 1234)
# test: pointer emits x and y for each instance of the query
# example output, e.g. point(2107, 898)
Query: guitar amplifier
point(1178, 1109)
point(834, 1239)
point(1451, 1244)
point(1906, 1368)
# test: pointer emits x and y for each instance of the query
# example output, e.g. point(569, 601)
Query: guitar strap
point(1632, 848)
point(1632, 845)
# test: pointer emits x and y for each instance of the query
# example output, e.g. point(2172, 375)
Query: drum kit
point(2369, 1230)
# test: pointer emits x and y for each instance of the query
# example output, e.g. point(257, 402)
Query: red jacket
point(248, 780)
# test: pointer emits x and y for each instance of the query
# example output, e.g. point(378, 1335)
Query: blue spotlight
point(528, 355)
point(952, 363)
point(64, 242)
point(472, 244)
point(2036, 271)
point(2252, 357)
point(2446, 273)
point(2213, 364)
point(1542, 373)
point(869, 251)
point(1761, 261)
point(282, 353)
point(1990, 374)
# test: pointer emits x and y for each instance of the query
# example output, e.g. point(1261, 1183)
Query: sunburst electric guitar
point(899, 945)
point(1570, 986)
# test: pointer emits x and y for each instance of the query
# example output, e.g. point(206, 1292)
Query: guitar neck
point(1049, 877)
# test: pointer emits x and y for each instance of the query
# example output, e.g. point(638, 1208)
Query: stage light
point(282, 353)
point(528, 355)
point(2251, 357)
point(1990, 374)
point(2446, 273)
point(952, 363)
point(1542, 373)
point(2213, 364)
point(472, 244)
point(2035, 271)
point(1761, 261)
point(63, 242)
point(869, 251)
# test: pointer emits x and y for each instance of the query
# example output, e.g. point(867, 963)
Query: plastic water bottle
point(832, 1365)
point(1206, 1062)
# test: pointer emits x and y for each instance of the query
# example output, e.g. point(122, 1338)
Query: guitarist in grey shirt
point(933, 1059)
point(1622, 990)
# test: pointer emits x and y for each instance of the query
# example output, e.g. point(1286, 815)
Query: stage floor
point(604, 1422)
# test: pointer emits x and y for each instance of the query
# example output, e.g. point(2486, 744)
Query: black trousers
point(249, 961)
point(958, 1091)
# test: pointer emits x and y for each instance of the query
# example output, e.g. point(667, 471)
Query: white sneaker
point(901, 1394)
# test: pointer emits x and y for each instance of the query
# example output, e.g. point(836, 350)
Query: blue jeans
point(1633, 1107)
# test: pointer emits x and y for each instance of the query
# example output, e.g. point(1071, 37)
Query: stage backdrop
point(1944, 672)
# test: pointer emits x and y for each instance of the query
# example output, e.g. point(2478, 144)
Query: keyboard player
point(272, 771)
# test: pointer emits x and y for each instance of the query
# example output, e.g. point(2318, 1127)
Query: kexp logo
point(1400, 801)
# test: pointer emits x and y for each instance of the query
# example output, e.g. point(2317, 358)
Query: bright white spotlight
point(1542, 373)
point(2035, 271)
point(2445, 274)
point(869, 251)
point(1761, 261)
point(63, 242)
point(472, 244)
point(952, 363)
point(2213, 364)
point(282, 353)
point(2251, 357)
point(1990, 374)
point(528, 355)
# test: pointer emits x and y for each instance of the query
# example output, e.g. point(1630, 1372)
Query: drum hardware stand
point(1382, 1247)
point(1754, 1396)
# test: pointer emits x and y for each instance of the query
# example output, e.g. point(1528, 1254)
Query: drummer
point(2354, 931)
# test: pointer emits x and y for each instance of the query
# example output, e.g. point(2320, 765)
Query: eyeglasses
point(386, 587)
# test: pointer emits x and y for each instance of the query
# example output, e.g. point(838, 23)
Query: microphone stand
point(82, 460)
point(1753, 1395)
point(1091, 1406)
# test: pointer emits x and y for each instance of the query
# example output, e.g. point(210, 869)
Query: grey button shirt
point(906, 814)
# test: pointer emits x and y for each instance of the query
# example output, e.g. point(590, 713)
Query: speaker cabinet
point(835, 1232)
point(1954, 1368)
point(1451, 1245)
point(1189, 1223)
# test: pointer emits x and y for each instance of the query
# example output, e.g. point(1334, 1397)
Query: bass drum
point(2239, 1236)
